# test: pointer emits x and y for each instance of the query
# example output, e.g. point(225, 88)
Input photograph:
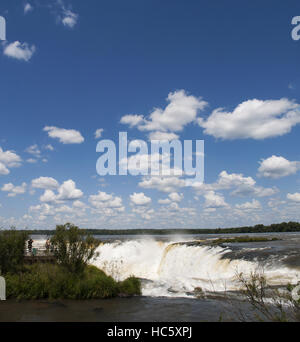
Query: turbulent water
point(176, 267)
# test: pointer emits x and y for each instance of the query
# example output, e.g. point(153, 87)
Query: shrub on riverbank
point(12, 244)
point(43, 281)
point(73, 248)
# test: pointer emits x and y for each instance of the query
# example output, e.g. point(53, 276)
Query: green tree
point(73, 248)
point(12, 245)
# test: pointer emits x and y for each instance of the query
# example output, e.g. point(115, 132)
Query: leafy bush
point(12, 244)
point(130, 286)
point(42, 281)
point(72, 247)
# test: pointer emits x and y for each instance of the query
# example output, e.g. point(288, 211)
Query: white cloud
point(31, 161)
point(294, 197)
point(65, 136)
point(176, 197)
point(181, 111)
point(106, 205)
point(66, 192)
point(45, 183)
point(277, 167)
point(255, 191)
point(98, 133)
point(242, 186)
point(140, 199)
point(8, 159)
point(254, 119)
point(144, 212)
point(163, 136)
point(27, 8)
point(105, 200)
point(164, 184)
point(49, 147)
point(69, 18)
point(34, 150)
point(213, 200)
point(254, 205)
point(48, 197)
point(227, 181)
point(79, 204)
point(164, 201)
point(14, 190)
point(3, 170)
point(132, 120)
point(20, 51)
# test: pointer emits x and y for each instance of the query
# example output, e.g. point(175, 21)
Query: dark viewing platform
point(34, 259)
point(38, 255)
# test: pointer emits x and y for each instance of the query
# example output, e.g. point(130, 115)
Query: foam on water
point(173, 269)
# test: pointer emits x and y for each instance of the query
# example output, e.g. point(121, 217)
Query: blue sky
point(69, 68)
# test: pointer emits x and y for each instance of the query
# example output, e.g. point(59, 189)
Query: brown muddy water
point(137, 309)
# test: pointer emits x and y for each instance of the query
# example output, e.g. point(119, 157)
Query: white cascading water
point(174, 269)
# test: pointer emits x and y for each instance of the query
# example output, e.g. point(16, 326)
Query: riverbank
point(48, 281)
point(283, 227)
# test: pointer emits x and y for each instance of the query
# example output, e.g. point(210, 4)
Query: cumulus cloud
point(254, 205)
point(163, 136)
point(164, 184)
point(14, 190)
point(20, 51)
point(132, 120)
point(28, 8)
point(65, 192)
point(31, 161)
point(242, 186)
point(277, 167)
point(65, 136)
point(48, 197)
point(34, 150)
point(44, 183)
point(140, 199)
point(49, 147)
point(294, 197)
point(105, 200)
point(254, 119)
point(98, 133)
point(164, 201)
point(176, 197)
point(69, 18)
point(182, 109)
point(8, 159)
point(213, 200)
point(3, 170)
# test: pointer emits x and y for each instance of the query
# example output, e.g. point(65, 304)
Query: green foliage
point(130, 286)
point(72, 247)
point(42, 281)
point(12, 244)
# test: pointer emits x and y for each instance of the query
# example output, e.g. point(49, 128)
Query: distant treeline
point(260, 228)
